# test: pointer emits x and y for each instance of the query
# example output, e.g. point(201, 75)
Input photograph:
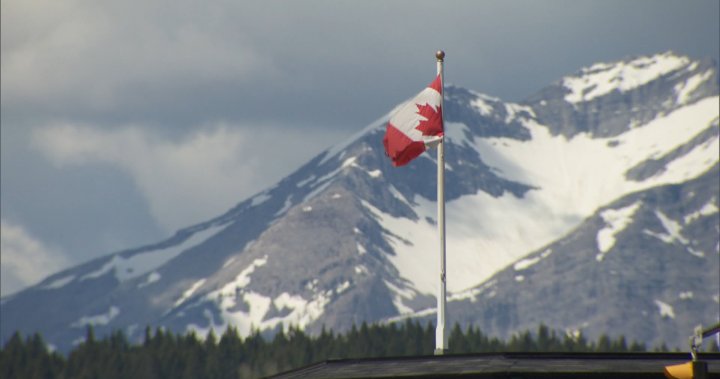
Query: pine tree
point(637, 347)
point(458, 340)
point(619, 345)
point(13, 357)
point(167, 355)
point(603, 345)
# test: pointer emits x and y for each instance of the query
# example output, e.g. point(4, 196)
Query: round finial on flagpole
point(440, 55)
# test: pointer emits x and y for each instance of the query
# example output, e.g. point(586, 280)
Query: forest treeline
point(163, 354)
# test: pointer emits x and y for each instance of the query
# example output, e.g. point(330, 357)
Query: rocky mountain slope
point(591, 206)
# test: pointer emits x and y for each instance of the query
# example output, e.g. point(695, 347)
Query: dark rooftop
point(505, 365)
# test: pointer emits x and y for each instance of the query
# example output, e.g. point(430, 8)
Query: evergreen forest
point(162, 354)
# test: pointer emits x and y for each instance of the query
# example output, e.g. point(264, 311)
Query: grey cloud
point(320, 62)
point(83, 211)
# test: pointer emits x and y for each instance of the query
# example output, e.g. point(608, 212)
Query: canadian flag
point(416, 126)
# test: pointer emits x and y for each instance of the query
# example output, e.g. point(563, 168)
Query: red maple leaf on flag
point(432, 125)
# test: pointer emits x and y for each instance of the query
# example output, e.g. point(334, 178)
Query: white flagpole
point(441, 345)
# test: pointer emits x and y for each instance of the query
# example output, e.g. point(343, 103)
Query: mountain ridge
point(348, 238)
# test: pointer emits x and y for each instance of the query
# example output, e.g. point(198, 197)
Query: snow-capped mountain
point(591, 206)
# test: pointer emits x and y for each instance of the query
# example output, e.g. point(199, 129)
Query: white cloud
point(192, 179)
point(87, 52)
point(24, 260)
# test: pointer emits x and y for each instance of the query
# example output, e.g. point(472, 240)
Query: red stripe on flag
point(436, 84)
point(399, 147)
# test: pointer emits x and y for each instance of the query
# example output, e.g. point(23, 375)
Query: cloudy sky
point(123, 121)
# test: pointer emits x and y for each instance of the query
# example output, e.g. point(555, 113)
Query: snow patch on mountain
point(151, 278)
point(259, 199)
point(352, 163)
point(478, 243)
point(342, 287)
point(286, 206)
point(189, 292)
point(673, 230)
point(100, 319)
point(472, 293)
point(457, 133)
point(59, 283)
point(126, 268)
point(305, 181)
point(348, 162)
point(685, 89)
point(665, 309)
point(229, 262)
point(374, 173)
point(482, 104)
point(708, 209)
point(616, 220)
point(400, 294)
point(513, 111)
point(321, 185)
point(422, 313)
point(412, 262)
point(526, 263)
point(242, 279)
point(398, 195)
point(582, 173)
point(685, 168)
point(686, 295)
point(247, 309)
point(603, 78)
point(294, 311)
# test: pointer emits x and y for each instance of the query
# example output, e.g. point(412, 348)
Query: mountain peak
point(608, 99)
point(603, 78)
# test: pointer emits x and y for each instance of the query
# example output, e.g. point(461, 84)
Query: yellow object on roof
point(681, 371)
